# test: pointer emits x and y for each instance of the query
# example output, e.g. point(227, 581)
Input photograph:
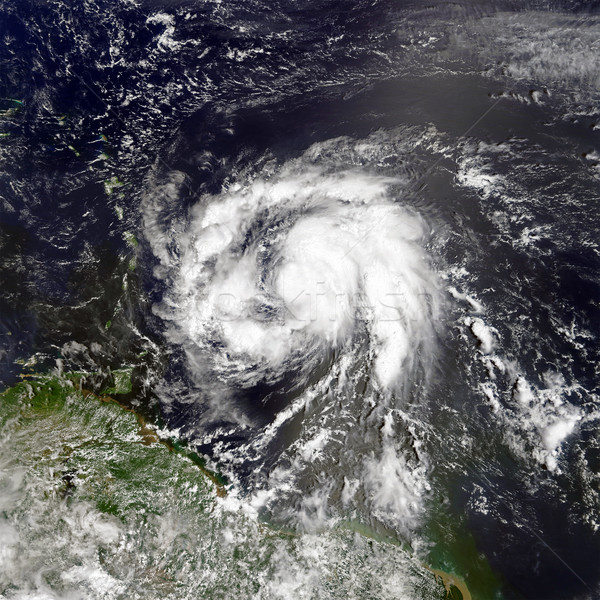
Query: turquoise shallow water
point(339, 260)
point(95, 506)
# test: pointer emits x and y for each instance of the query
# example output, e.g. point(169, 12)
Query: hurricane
point(299, 300)
point(302, 281)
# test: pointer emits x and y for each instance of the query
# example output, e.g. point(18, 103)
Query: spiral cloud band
point(275, 274)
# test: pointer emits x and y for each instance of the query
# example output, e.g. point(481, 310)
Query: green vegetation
point(11, 107)
point(131, 239)
point(111, 452)
point(114, 505)
point(455, 553)
point(122, 383)
point(110, 185)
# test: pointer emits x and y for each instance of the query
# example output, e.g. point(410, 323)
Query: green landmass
point(97, 503)
point(110, 185)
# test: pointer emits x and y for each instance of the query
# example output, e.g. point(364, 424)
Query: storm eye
point(295, 268)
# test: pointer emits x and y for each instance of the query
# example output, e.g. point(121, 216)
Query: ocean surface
point(299, 300)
